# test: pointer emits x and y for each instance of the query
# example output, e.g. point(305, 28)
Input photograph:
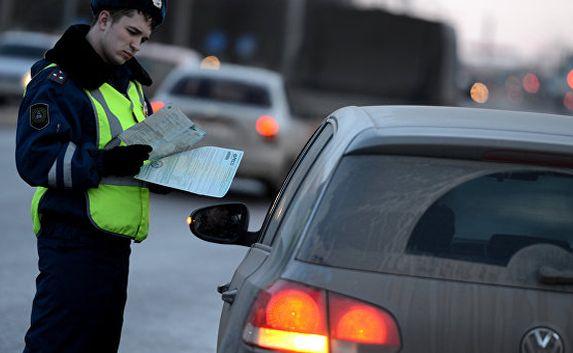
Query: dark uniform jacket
point(56, 111)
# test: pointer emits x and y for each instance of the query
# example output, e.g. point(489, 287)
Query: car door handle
point(229, 296)
point(223, 288)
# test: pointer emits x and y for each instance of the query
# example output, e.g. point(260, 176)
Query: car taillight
point(289, 316)
point(354, 324)
point(157, 106)
point(293, 317)
point(267, 126)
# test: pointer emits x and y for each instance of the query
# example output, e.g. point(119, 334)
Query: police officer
point(87, 207)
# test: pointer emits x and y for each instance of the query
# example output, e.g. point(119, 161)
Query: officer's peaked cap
point(154, 8)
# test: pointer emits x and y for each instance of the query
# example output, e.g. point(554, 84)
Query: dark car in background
point(410, 229)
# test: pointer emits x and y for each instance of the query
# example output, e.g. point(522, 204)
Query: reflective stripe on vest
point(118, 205)
point(34, 210)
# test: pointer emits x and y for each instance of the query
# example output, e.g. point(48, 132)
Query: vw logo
point(542, 340)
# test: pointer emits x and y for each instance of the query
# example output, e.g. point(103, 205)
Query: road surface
point(172, 301)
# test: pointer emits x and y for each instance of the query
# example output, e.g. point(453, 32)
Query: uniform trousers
point(81, 290)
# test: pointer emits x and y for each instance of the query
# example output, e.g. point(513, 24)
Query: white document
point(168, 131)
point(205, 171)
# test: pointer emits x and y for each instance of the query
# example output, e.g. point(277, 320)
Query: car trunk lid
point(436, 315)
point(227, 125)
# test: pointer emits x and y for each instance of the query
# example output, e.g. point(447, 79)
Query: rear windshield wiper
point(551, 276)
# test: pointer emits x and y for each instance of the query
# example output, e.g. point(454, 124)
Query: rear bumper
point(242, 347)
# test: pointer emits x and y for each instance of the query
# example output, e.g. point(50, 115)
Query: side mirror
point(223, 224)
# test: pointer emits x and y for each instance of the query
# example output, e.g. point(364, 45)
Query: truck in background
point(331, 53)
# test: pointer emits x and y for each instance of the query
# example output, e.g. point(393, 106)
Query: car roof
point(239, 72)
point(470, 118)
point(421, 128)
point(170, 53)
point(36, 39)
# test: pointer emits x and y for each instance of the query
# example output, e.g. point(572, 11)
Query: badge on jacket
point(39, 116)
point(58, 76)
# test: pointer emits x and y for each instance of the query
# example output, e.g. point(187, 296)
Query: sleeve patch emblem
point(39, 116)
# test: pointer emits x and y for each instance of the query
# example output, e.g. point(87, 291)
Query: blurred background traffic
point(296, 61)
point(259, 75)
point(331, 53)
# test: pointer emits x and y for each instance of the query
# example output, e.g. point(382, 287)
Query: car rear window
point(21, 51)
point(224, 91)
point(490, 218)
point(467, 211)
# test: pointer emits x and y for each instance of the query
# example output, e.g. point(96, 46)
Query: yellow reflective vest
point(119, 206)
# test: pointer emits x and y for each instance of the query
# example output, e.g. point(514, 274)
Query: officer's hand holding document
point(205, 171)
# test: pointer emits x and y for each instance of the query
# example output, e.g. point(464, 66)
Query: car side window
point(294, 179)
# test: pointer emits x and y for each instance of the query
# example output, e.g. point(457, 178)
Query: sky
point(528, 30)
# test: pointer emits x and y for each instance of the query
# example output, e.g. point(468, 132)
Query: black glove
point(123, 160)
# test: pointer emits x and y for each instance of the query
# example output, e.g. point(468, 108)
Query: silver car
point(409, 229)
point(18, 52)
point(244, 108)
point(160, 59)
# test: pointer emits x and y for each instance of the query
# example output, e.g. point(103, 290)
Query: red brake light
point(289, 316)
point(292, 317)
point(295, 310)
point(570, 79)
point(157, 106)
point(531, 83)
point(267, 126)
point(354, 321)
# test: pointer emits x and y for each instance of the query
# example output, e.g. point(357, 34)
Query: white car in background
point(244, 108)
point(160, 59)
point(18, 52)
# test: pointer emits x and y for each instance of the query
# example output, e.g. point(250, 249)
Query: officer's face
point(123, 38)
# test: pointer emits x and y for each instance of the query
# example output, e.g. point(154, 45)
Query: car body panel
point(448, 316)
point(254, 258)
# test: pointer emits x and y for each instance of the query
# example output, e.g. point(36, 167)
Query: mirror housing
point(223, 224)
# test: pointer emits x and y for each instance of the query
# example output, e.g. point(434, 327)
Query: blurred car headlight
point(211, 63)
point(479, 93)
point(26, 78)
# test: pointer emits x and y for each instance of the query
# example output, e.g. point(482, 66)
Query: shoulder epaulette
point(58, 76)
